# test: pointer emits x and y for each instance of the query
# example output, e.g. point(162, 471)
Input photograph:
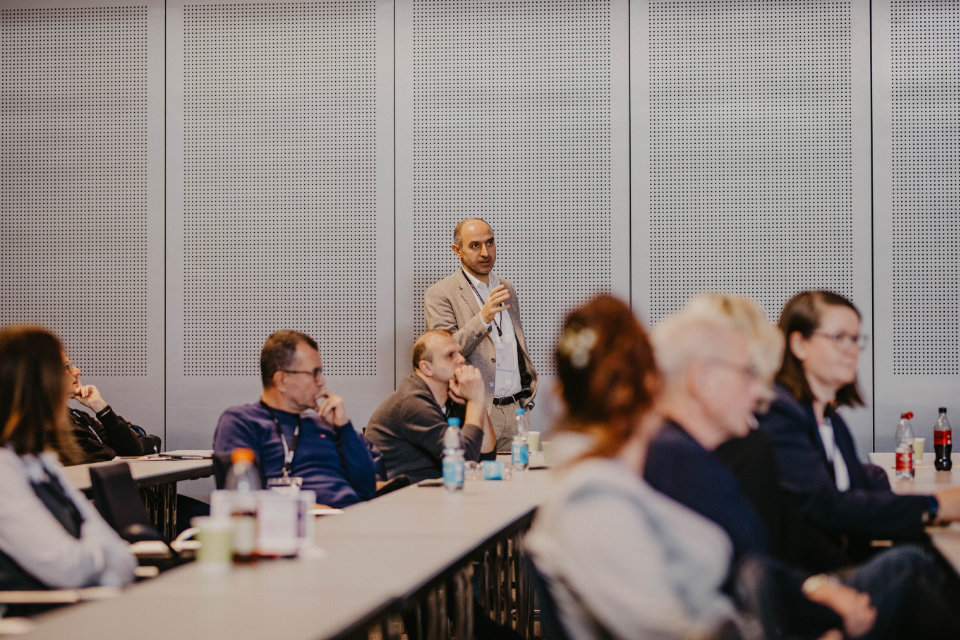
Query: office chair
point(117, 497)
point(221, 464)
point(552, 627)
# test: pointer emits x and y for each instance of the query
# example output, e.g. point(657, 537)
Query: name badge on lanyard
point(285, 483)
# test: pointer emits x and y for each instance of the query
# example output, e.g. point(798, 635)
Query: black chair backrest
point(549, 616)
point(118, 499)
point(221, 464)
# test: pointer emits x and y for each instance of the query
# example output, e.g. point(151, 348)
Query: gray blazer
point(451, 304)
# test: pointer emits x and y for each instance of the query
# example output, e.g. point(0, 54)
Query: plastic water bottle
point(519, 448)
point(904, 467)
point(243, 479)
point(453, 460)
point(523, 423)
point(942, 442)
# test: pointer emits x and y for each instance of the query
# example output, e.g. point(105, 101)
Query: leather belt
point(518, 396)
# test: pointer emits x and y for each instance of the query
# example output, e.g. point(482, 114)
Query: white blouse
point(35, 539)
point(626, 560)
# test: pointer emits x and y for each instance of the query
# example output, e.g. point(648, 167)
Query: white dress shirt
point(840, 472)
point(507, 381)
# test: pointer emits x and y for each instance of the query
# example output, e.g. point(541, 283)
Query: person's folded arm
point(122, 437)
point(358, 463)
point(806, 479)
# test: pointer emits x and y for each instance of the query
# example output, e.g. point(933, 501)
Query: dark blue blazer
point(867, 509)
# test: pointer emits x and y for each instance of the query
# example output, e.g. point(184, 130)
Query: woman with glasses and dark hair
point(50, 535)
point(815, 451)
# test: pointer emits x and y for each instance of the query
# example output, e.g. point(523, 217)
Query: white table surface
point(145, 472)
point(375, 552)
point(927, 480)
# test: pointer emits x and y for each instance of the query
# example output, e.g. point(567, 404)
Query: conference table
point(157, 477)
point(412, 555)
point(926, 481)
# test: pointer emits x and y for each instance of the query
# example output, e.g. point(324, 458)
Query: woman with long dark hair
point(50, 535)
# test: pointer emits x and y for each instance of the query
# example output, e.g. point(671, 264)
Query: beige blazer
point(452, 305)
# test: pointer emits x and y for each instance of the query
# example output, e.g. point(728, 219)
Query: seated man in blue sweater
point(299, 428)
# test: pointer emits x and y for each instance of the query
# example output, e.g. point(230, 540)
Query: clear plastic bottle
point(519, 448)
point(453, 459)
point(904, 452)
point(942, 442)
point(243, 479)
point(523, 423)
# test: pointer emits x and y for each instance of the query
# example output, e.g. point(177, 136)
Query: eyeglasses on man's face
point(316, 373)
point(845, 340)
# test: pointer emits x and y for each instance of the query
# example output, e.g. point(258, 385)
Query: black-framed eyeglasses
point(845, 339)
point(316, 373)
point(747, 371)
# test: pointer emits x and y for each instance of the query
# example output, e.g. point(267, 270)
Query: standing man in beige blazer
point(483, 314)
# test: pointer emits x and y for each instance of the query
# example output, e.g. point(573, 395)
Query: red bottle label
point(943, 437)
point(905, 461)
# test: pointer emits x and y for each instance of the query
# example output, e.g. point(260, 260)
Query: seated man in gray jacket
point(408, 427)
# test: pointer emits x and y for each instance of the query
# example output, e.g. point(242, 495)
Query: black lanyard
point(288, 452)
point(480, 298)
point(58, 502)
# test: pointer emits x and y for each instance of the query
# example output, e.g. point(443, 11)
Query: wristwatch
point(933, 509)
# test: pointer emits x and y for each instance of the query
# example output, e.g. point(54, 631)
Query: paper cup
point(533, 439)
point(216, 542)
point(547, 453)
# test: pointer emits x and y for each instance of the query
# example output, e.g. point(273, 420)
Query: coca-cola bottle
point(904, 468)
point(943, 441)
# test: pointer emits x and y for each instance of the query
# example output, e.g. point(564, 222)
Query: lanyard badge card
point(286, 483)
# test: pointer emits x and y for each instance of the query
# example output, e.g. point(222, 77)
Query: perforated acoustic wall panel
point(751, 149)
point(81, 188)
point(917, 203)
point(925, 185)
point(278, 212)
point(73, 180)
point(279, 182)
point(517, 115)
point(751, 130)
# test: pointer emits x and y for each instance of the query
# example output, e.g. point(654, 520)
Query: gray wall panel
point(516, 113)
point(739, 160)
point(81, 199)
point(279, 216)
point(916, 55)
point(750, 123)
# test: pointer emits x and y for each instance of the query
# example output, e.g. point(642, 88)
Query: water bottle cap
point(519, 411)
point(242, 454)
point(453, 422)
point(907, 416)
point(942, 409)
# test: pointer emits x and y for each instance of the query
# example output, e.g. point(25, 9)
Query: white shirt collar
point(480, 284)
